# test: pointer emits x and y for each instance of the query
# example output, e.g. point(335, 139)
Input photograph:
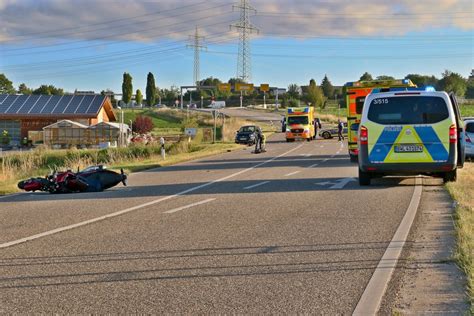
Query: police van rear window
point(408, 110)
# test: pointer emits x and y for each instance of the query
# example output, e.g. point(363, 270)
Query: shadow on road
point(284, 185)
point(195, 263)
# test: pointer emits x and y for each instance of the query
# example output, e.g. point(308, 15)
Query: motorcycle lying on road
point(91, 179)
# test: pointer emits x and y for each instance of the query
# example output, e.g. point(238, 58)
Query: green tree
point(294, 91)
point(470, 89)
point(139, 97)
point(384, 77)
point(233, 81)
point(452, 82)
point(422, 80)
point(23, 89)
point(315, 95)
point(328, 88)
point(150, 89)
point(48, 90)
point(6, 86)
point(127, 88)
point(366, 77)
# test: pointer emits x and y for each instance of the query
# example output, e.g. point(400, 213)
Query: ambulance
point(300, 124)
point(410, 132)
point(355, 96)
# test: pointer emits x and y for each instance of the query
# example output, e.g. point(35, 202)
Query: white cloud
point(46, 20)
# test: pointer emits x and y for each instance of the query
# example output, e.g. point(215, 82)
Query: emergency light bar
point(381, 90)
point(373, 83)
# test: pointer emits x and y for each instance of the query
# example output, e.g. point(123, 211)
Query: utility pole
point(245, 28)
point(197, 46)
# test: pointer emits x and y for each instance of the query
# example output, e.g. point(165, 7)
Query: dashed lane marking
point(292, 173)
point(188, 206)
point(134, 208)
point(256, 185)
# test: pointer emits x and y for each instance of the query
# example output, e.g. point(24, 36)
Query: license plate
point(409, 148)
point(243, 138)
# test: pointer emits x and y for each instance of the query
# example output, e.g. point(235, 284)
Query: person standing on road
point(283, 124)
point(340, 127)
point(317, 125)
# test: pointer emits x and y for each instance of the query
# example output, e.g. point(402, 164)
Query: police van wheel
point(450, 176)
point(364, 178)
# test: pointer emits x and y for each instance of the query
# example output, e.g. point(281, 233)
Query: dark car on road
point(328, 133)
point(247, 134)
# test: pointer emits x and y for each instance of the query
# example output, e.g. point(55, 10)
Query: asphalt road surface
point(286, 231)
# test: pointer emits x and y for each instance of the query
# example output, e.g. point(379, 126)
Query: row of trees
point(449, 81)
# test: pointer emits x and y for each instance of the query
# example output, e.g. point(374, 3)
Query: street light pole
point(120, 126)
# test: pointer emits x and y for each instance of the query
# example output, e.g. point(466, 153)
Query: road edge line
point(369, 302)
point(136, 207)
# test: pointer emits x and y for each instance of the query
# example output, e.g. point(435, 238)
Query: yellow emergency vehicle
point(355, 97)
point(300, 124)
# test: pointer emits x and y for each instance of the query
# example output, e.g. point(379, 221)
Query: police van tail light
point(453, 134)
point(364, 135)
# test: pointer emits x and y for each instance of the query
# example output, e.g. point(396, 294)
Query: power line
point(245, 28)
point(125, 33)
point(96, 24)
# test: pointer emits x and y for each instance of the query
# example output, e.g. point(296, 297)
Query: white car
point(469, 127)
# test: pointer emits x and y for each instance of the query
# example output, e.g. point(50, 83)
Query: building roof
point(21, 106)
point(66, 123)
point(113, 125)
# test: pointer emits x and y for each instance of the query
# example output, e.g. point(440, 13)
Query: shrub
point(142, 125)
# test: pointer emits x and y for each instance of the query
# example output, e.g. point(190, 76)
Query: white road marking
point(324, 183)
point(187, 206)
point(292, 173)
point(305, 155)
point(342, 183)
point(256, 185)
point(370, 300)
point(321, 146)
point(313, 165)
point(134, 208)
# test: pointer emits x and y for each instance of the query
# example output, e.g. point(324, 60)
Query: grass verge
point(463, 192)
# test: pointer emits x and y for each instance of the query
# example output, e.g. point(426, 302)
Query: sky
point(88, 45)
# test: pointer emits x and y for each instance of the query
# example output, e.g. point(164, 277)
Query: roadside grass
point(38, 163)
point(463, 192)
point(467, 109)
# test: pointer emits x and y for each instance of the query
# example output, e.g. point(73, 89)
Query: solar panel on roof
point(3, 97)
point(62, 104)
point(55, 104)
point(82, 108)
point(15, 106)
point(73, 104)
point(27, 105)
point(8, 101)
point(51, 104)
point(19, 103)
point(35, 101)
point(43, 100)
point(95, 105)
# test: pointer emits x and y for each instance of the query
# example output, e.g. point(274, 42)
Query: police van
point(410, 132)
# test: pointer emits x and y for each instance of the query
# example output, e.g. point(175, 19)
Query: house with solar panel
point(60, 121)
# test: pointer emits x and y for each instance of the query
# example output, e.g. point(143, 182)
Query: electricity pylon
point(245, 28)
point(196, 44)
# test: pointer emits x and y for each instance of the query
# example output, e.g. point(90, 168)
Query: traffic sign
point(264, 87)
point(244, 87)
point(224, 86)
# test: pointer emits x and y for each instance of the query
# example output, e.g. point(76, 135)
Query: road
point(286, 231)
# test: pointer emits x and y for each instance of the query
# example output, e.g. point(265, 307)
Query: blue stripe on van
point(384, 144)
point(432, 143)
